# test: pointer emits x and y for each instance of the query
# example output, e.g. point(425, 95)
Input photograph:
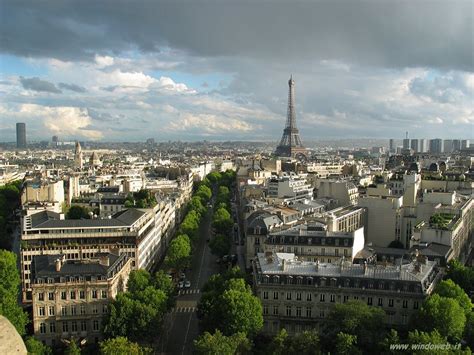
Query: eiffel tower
point(290, 144)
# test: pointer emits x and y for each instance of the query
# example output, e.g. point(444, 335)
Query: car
point(225, 258)
point(187, 284)
point(181, 284)
point(182, 275)
point(233, 257)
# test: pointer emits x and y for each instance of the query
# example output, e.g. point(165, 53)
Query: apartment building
point(344, 191)
point(70, 297)
point(141, 234)
point(348, 218)
point(289, 189)
point(298, 295)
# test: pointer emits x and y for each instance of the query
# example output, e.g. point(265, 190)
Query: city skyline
point(95, 72)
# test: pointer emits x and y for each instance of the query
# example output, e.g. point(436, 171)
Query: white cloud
point(208, 123)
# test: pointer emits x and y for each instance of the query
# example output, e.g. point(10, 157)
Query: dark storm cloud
point(394, 34)
point(37, 84)
point(72, 87)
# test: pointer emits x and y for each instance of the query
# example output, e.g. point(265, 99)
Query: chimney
point(365, 268)
point(283, 264)
point(58, 264)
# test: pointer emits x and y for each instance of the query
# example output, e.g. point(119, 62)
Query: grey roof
point(303, 230)
point(48, 220)
point(263, 218)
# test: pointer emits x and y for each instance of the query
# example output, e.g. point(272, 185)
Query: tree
point(346, 344)
point(469, 330)
point(391, 338)
point(305, 343)
point(461, 275)
point(121, 346)
point(214, 177)
point(9, 288)
point(77, 212)
point(196, 205)
point(219, 344)
point(179, 252)
point(220, 245)
point(279, 343)
point(355, 318)
point(204, 193)
point(434, 337)
point(442, 314)
point(222, 221)
point(36, 347)
point(163, 282)
point(138, 280)
point(72, 349)
point(190, 224)
point(447, 288)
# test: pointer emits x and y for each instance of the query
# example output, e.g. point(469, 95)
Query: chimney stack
point(104, 260)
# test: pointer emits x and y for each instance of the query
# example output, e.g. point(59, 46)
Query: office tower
point(290, 143)
point(391, 145)
point(465, 144)
point(436, 146)
point(21, 135)
point(406, 143)
point(415, 145)
point(422, 145)
point(456, 144)
point(448, 146)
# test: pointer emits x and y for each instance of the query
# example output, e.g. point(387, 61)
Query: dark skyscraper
point(21, 135)
point(290, 144)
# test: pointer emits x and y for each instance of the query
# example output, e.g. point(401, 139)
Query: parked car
point(225, 258)
point(187, 284)
point(181, 284)
point(182, 276)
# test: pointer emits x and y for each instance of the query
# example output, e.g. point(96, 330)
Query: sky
point(218, 70)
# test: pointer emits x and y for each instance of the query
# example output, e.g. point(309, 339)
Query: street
point(181, 323)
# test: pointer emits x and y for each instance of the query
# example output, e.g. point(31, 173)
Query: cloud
point(37, 84)
point(72, 87)
point(65, 121)
point(366, 33)
point(208, 124)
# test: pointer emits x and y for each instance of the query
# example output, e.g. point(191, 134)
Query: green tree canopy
point(461, 275)
point(138, 280)
point(122, 346)
point(214, 177)
point(190, 224)
point(346, 344)
point(36, 347)
point(469, 330)
point(72, 348)
point(443, 314)
point(434, 337)
point(447, 288)
point(9, 289)
point(77, 212)
point(220, 245)
point(355, 318)
point(196, 205)
point(222, 221)
point(204, 193)
point(179, 252)
point(219, 344)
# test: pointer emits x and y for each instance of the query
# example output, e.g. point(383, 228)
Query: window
point(405, 304)
point(82, 295)
point(369, 301)
point(380, 302)
point(41, 311)
point(275, 295)
point(415, 305)
point(298, 296)
point(265, 295)
point(104, 308)
point(308, 312)
point(64, 311)
point(104, 294)
point(346, 298)
point(288, 311)
point(73, 310)
point(42, 328)
point(52, 327)
point(51, 311)
point(288, 295)
point(83, 309)
point(41, 296)
point(94, 293)
point(404, 319)
point(321, 313)
point(298, 311)
point(390, 302)
point(65, 327)
point(83, 325)
point(74, 326)
point(336, 252)
point(321, 298)
point(265, 310)
point(95, 310)
point(51, 296)
point(333, 298)
point(308, 297)
point(275, 310)
point(73, 295)
point(95, 326)
point(63, 295)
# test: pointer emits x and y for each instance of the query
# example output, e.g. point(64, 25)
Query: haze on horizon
point(218, 70)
